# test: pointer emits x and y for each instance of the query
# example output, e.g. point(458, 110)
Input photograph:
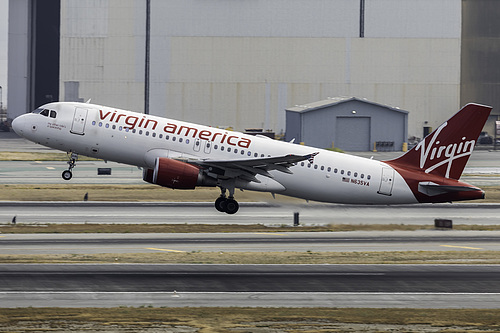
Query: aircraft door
point(208, 147)
point(386, 182)
point(79, 120)
point(197, 145)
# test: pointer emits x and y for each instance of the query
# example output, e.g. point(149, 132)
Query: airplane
point(182, 155)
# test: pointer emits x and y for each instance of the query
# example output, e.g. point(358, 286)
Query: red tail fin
point(445, 151)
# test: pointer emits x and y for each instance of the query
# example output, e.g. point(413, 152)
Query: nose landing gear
point(67, 174)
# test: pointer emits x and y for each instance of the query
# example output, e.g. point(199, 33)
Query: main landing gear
point(226, 204)
point(67, 174)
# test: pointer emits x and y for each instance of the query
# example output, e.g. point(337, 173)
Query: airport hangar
point(350, 124)
point(243, 63)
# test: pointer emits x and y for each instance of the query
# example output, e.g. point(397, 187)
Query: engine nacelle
point(175, 174)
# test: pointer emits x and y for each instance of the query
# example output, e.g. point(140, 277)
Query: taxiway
point(416, 286)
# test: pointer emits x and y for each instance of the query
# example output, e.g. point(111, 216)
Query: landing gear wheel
point(220, 204)
point(67, 175)
point(232, 206)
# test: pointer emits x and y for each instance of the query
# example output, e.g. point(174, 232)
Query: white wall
point(241, 63)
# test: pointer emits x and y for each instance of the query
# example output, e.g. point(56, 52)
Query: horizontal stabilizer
point(431, 189)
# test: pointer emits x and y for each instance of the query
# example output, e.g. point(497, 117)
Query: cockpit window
point(46, 112)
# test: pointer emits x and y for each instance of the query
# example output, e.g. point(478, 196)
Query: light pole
point(146, 67)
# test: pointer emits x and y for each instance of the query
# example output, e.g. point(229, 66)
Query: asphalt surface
point(251, 285)
point(423, 286)
point(425, 240)
point(270, 214)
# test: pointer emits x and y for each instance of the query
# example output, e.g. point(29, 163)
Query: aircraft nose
point(18, 125)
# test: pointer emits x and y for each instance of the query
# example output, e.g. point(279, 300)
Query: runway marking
point(50, 168)
point(165, 250)
point(269, 233)
point(463, 247)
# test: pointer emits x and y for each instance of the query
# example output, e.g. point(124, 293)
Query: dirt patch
point(255, 320)
point(243, 258)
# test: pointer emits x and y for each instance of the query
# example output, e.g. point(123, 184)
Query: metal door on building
point(352, 133)
point(386, 182)
point(79, 120)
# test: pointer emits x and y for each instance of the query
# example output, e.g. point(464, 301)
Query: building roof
point(335, 101)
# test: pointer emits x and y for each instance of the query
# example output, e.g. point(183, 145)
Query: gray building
point(350, 124)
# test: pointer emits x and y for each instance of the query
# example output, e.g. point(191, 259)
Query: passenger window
point(329, 169)
point(368, 177)
point(315, 166)
point(355, 174)
point(322, 167)
point(348, 173)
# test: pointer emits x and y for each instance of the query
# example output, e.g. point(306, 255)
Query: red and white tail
point(445, 151)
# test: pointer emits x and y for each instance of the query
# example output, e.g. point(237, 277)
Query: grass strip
point(34, 156)
point(99, 192)
point(53, 228)
point(225, 320)
point(147, 192)
point(244, 258)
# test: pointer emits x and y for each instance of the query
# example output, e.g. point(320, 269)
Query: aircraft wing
point(247, 169)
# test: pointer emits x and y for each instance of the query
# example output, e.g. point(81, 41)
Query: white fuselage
point(137, 139)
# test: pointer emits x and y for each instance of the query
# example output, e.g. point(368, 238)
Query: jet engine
point(176, 174)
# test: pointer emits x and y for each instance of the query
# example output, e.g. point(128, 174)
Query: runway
point(424, 240)
point(418, 286)
point(250, 213)
point(409, 286)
